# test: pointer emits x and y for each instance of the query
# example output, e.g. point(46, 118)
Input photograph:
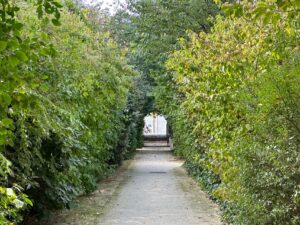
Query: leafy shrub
point(239, 91)
point(63, 92)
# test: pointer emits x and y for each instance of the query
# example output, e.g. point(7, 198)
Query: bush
point(63, 92)
point(239, 91)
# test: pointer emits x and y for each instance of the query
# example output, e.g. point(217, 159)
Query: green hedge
point(63, 95)
point(238, 121)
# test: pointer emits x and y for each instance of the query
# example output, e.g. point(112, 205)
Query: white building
point(155, 125)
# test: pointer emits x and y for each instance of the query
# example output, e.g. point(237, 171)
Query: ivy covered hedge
point(64, 88)
point(238, 123)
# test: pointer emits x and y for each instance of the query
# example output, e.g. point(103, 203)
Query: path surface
point(154, 190)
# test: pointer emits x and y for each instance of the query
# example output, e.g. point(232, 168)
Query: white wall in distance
point(155, 125)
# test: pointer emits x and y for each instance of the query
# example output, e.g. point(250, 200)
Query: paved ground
point(154, 190)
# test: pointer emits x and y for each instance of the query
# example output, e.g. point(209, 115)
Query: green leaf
point(5, 98)
point(21, 56)
point(2, 141)
point(28, 201)
point(14, 44)
point(267, 18)
point(18, 26)
point(3, 45)
point(13, 61)
point(297, 3)
point(56, 22)
point(6, 122)
point(44, 36)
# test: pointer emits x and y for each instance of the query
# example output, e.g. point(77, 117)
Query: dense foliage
point(63, 94)
point(151, 29)
point(239, 89)
point(229, 86)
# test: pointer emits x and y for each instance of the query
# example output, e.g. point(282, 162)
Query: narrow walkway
point(155, 190)
point(160, 193)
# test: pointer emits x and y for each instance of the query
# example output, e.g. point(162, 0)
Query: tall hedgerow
point(63, 92)
point(239, 91)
